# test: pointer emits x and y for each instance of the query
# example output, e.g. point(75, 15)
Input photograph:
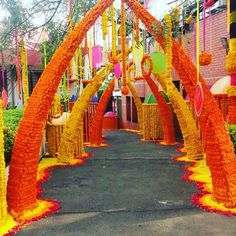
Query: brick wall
point(216, 28)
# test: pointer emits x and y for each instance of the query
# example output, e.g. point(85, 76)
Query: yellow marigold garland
point(23, 59)
point(190, 132)
point(124, 89)
point(3, 202)
point(21, 188)
point(113, 26)
point(75, 121)
point(104, 24)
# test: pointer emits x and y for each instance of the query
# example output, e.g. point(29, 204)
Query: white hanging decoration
point(87, 71)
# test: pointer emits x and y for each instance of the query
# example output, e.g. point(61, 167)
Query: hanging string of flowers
point(137, 31)
point(124, 89)
point(87, 72)
point(3, 201)
point(152, 127)
point(113, 27)
point(96, 128)
point(18, 74)
point(104, 36)
point(23, 58)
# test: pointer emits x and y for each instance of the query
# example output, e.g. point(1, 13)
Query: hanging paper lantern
point(97, 56)
point(117, 70)
point(159, 62)
point(198, 99)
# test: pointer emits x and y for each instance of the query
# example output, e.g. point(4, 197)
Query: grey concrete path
point(130, 188)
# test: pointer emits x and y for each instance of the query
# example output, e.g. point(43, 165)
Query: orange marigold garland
point(96, 130)
point(205, 58)
point(21, 187)
point(165, 113)
point(224, 151)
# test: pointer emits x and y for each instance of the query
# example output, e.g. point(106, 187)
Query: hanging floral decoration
point(3, 202)
point(23, 58)
point(124, 89)
point(113, 27)
point(137, 31)
point(205, 58)
point(96, 130)
point(152, 125)
point(18, 74)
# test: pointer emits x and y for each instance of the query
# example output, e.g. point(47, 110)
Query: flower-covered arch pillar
point(21, 189)
point(219, 149)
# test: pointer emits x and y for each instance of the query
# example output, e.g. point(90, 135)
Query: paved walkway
point(130, 188)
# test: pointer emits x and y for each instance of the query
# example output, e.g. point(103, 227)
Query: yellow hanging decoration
point(23, 59)
point(104, 24)
point(80, 63)
point(168, 47)
point(56, 105)
point(113, 26)
point(124, 89)
point(3, 202)
point(198, 41)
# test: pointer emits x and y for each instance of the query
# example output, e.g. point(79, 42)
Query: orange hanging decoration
point(137, 31)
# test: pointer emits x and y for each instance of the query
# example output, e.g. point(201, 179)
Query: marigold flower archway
point(21, 189)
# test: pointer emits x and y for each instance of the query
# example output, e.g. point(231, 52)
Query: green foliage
point(232, 134)
point(9, 136)
point(11, 119)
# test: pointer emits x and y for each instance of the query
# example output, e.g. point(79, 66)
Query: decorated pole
point(231, 63)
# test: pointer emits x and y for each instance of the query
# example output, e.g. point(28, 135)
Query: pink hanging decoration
point(97, 56)
point(117, 70)
point(4, 92)
point(198, 99)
